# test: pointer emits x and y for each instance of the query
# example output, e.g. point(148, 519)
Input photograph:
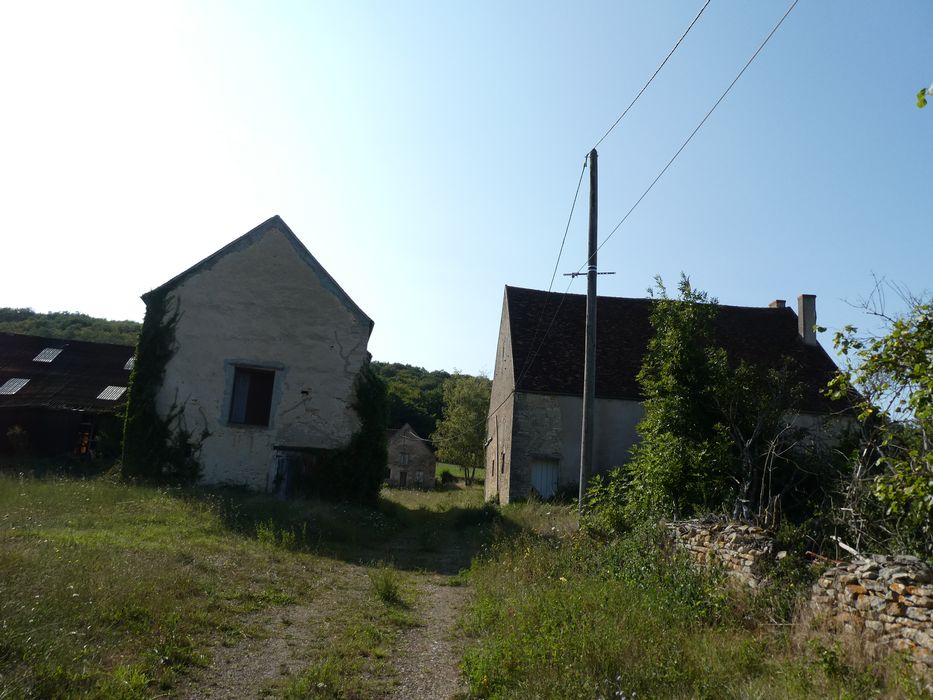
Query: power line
point(567, 228)
point(563, 297)
point(694, 132)
point(557, 262)
point(653, 75)
point(532, 357)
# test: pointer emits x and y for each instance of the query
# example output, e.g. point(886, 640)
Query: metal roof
point(82, 372)
point(47, 355)
point(11, 386)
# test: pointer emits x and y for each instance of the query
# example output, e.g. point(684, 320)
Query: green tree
point(682, 461)
point(890, 376)
point(415, 395)
point(922, 96)
point(715, 433)
point(461, 433)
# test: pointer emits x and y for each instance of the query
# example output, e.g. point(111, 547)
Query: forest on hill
point(416, 395)
point(68, 325)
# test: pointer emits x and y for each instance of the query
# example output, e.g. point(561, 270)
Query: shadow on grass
point(426, 532)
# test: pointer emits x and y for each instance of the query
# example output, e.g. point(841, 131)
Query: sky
point(427, 153)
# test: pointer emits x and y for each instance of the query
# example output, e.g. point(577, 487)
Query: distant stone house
point(412, 463)
point(267, 350)
point(534, 425)
point(61, 396)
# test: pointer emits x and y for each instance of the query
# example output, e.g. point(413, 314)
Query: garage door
point(544, 477)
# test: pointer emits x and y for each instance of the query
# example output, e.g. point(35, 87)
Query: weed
point(387, 585)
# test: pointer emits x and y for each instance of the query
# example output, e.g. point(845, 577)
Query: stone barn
point(536, 404)
point(267, 349)
point(412, 463)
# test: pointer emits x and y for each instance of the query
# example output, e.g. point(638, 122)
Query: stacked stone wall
point(884, 602)
point(744, 552)
point(887, 601)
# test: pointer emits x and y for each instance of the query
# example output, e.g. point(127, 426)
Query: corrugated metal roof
point(11, 386)
point(111, 393)
point(130, 363)
point(47, 355)
point(73, 381)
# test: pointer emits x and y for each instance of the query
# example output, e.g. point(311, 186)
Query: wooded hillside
point(416, 396)
point(69, 325)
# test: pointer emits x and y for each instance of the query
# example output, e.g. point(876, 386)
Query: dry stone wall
point(886, 600)
point(745, 552)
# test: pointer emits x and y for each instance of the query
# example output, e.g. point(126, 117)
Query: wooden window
point(419, 478)
point(251, 402)
point(403, 459)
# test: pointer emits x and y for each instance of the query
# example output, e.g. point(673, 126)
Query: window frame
point(239, 411)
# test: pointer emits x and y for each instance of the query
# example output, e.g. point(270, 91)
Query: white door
point(544, 477)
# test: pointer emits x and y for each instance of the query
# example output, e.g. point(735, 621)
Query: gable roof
point(757, 335)
point(406, 432)
point(245, 241)
point(75, 378)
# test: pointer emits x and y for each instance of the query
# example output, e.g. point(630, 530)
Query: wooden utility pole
point(589, 363)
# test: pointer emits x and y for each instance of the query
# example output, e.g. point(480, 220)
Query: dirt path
point(284, 638)
point(426, 657)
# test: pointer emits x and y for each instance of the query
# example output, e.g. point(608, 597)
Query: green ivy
point(155, 447)
point(355, 473)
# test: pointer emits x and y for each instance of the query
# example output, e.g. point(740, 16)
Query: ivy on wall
point(157, 448)
point(356, 472)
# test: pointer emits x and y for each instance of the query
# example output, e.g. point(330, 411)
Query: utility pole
point(589, 363)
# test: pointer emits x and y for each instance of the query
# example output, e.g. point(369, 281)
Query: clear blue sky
point(427, 153)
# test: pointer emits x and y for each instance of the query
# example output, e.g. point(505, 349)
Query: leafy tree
point(922, 96)
point(682, 461)
point(890, 374)
point(715, 434)
point(461, 433)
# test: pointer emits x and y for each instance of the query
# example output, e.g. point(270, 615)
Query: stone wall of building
point(886, 600)
point(745, 552)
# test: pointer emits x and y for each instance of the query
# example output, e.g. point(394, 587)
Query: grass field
point(110, 590)
point(458, 471)
point(115, 591)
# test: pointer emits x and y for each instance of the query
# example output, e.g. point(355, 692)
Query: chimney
point(777, 304)
point(806, 318)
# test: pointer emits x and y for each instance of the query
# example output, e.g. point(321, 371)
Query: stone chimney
point(777, 304)
point(806, 318)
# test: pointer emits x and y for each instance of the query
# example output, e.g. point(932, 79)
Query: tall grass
point(573, 617)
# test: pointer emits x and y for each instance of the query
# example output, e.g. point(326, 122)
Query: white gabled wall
point(263, 306)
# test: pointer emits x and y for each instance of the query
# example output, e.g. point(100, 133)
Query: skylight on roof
point(130, 363)
point(47, 355)
point(11, 386)
point(111, 393)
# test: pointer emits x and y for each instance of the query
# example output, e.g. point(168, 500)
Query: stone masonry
point(743, 551)
point(886, 600)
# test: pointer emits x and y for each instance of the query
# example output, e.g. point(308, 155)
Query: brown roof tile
point(758, 335)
